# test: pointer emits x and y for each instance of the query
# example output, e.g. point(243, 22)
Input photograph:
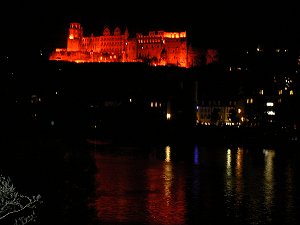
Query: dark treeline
point(117, 99)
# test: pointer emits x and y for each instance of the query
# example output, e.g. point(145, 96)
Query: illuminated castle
point(155, 48)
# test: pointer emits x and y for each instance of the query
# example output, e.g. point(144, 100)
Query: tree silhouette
point(11, 202)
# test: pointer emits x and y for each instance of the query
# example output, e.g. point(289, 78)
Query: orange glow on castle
point(156, 47)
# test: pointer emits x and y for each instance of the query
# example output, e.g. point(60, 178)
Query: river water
point(162, 184)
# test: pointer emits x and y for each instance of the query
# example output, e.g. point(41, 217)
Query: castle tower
point(126, 33)
point(75, 37)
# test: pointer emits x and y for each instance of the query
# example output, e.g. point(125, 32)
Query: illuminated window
point(270, 104)
point(261, 92)
point(291, 92)
point(168, 116)
point(151, 104)
point(280, 92)
point(251, 100)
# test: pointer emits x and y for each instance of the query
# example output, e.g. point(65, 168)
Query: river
point(161, 184)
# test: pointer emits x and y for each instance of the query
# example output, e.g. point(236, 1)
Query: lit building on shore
point(156, 47)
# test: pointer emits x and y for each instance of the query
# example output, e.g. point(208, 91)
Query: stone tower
point(75, 37)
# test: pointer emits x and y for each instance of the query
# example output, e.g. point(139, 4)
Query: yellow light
point(71, 36)
point(168, 116)
point(168, 153)
point(261, 92)
point(239, 110)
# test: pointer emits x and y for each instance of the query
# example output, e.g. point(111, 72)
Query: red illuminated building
point(156, 47)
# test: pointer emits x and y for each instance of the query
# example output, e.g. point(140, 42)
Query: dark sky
point(44, 24)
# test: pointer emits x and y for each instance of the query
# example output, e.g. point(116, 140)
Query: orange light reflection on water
point(166, 203)
point(152, 194)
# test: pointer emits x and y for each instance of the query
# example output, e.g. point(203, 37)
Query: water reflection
point(119, 189)
point(228, 179)
point(168, 175)
point(290, 193)
point(168, 153)
point(239, 177)
point(130, 191)
point(269, 181)
point(168, 187)
point(234, 182)
point(196, 155)
point(168, 206)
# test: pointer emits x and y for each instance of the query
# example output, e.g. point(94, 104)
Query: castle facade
point(155, 48)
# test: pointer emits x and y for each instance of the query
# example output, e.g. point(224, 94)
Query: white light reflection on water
point(239, 177)
point(269, 181)
point(228, 179)
point(228, 163)
point(234, 182)
point(168, 175)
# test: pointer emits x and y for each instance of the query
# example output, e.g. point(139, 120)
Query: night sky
point(44, 24)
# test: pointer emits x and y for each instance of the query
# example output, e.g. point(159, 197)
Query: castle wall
point(157, 47)
point(176, 51)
